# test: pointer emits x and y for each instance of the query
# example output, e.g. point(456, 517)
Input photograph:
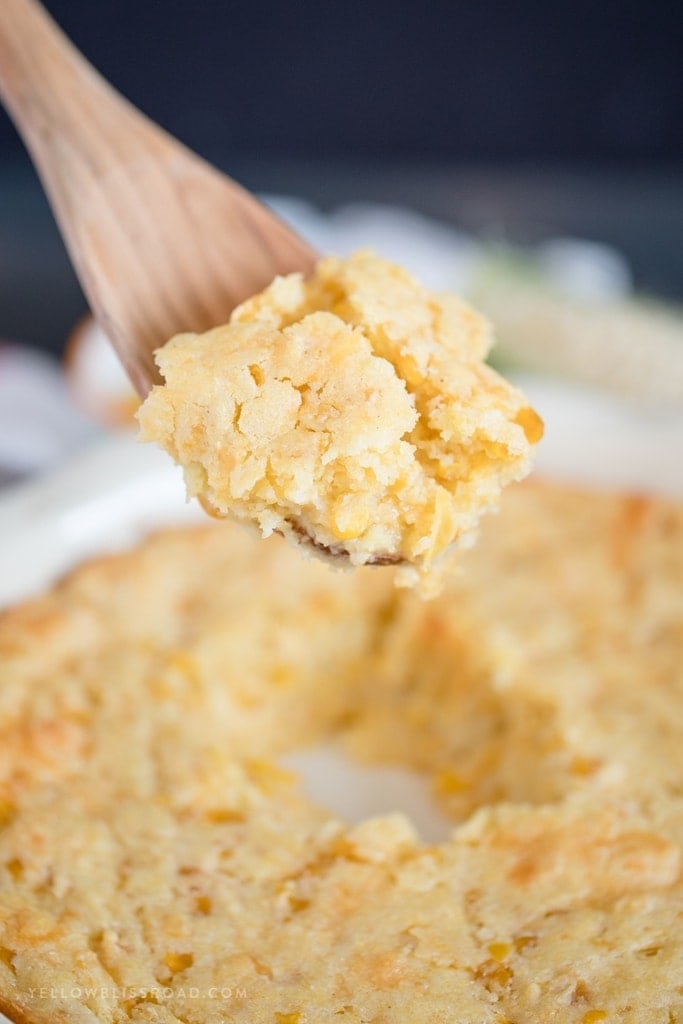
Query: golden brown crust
point(157, 864)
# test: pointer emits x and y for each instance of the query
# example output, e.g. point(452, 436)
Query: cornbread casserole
point(156, 863)
point(352, 411)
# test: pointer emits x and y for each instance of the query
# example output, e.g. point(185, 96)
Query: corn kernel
point(584, 765)
point(224, 816)
point(6, 811)
point(203, 905)
point(495, 450)
point(283, 675)
point(178, 961)
point(491, 972)
point(6, 956)
point(297, 904)
point(593, 1016)
point(15, 868)
point(531, 423)
point(501, 976)
point(183, 662)
point(500, 950)
point(287, 1018)
point(268, 776)
point(350, 521)
point(448, 783)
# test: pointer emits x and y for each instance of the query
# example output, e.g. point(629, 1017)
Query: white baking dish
point(113, 494)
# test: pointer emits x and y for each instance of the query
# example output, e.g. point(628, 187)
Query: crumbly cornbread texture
point(157, 864)
point(352, 411)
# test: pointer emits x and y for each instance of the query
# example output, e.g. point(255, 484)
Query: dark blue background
point(522, 120)
point(584, 80)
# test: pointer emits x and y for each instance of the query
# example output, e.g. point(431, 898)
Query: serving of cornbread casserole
point(158, 864)
point(352, 412)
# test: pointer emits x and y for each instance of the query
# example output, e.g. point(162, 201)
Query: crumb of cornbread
point(353, 409)
point(157, 864)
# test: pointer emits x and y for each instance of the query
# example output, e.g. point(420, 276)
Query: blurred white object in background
point(586, 270)
point(442, 257)
point(96, 378)
point(628, 346)
point(39, 425)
